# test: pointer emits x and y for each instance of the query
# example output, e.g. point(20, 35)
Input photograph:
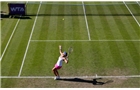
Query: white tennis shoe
point(56, 78)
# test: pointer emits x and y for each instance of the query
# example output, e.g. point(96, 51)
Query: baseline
point(96, 76)
point(85, 40)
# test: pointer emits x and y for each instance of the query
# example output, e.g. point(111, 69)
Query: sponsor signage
point(16, 9)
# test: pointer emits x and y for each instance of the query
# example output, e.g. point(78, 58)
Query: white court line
point(85, 40)
point(86, 20)
point(9, 39)
point(29, 41)
point(96, 76)
point(131, 13)
point(138, 3)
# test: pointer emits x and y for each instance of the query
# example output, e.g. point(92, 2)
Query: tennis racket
point(70, 50)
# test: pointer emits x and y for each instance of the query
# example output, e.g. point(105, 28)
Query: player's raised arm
point(60, 49)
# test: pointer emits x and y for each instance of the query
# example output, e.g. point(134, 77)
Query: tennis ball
point(63, 19)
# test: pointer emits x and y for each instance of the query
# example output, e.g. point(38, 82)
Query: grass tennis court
point(105, 37)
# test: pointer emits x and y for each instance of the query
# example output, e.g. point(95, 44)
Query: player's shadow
point(94, 81)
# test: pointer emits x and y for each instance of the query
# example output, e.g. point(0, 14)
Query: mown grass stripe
point(127, 36)
point(75, 23)
point(119, 23)
point(134, 30)
point(37, 64)
point(79, 61)
point(114, 29)
point(9, 56)
point(124, 45)
point(68, 26)
point(52, 30)
point(110, 26)
point(92, 58)
point(111, 32)
point(42, 25)
point(121, 26)
point(87, 59)
point(60, 23)
point(12, 52)
point(9, 40)
point(113, 22)
point(38, 28)
point(74, 26)
point(106, 24)
point(20, 37)
point(29, 60)
point(97, 58)
point(116, 55)
point(130, 26)
point(134, 53)
point(127, 59)
point(26, 34)
point(106, 57)
point(120, 30)
point(99, 24)
point(45, 22)
point(29, 41)
point(6, 30)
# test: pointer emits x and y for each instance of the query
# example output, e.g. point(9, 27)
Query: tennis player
point(58, 65)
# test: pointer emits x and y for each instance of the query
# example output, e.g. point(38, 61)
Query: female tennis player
point(58, 65)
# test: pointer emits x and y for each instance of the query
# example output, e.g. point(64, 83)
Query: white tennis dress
point(60, 60)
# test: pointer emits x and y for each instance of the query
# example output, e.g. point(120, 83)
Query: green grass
point(101, 56)
point(107, 58)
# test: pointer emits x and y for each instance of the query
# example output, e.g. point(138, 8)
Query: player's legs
point(55, 71)
point(56, 74)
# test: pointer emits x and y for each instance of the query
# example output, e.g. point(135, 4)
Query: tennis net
point(78, 8)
